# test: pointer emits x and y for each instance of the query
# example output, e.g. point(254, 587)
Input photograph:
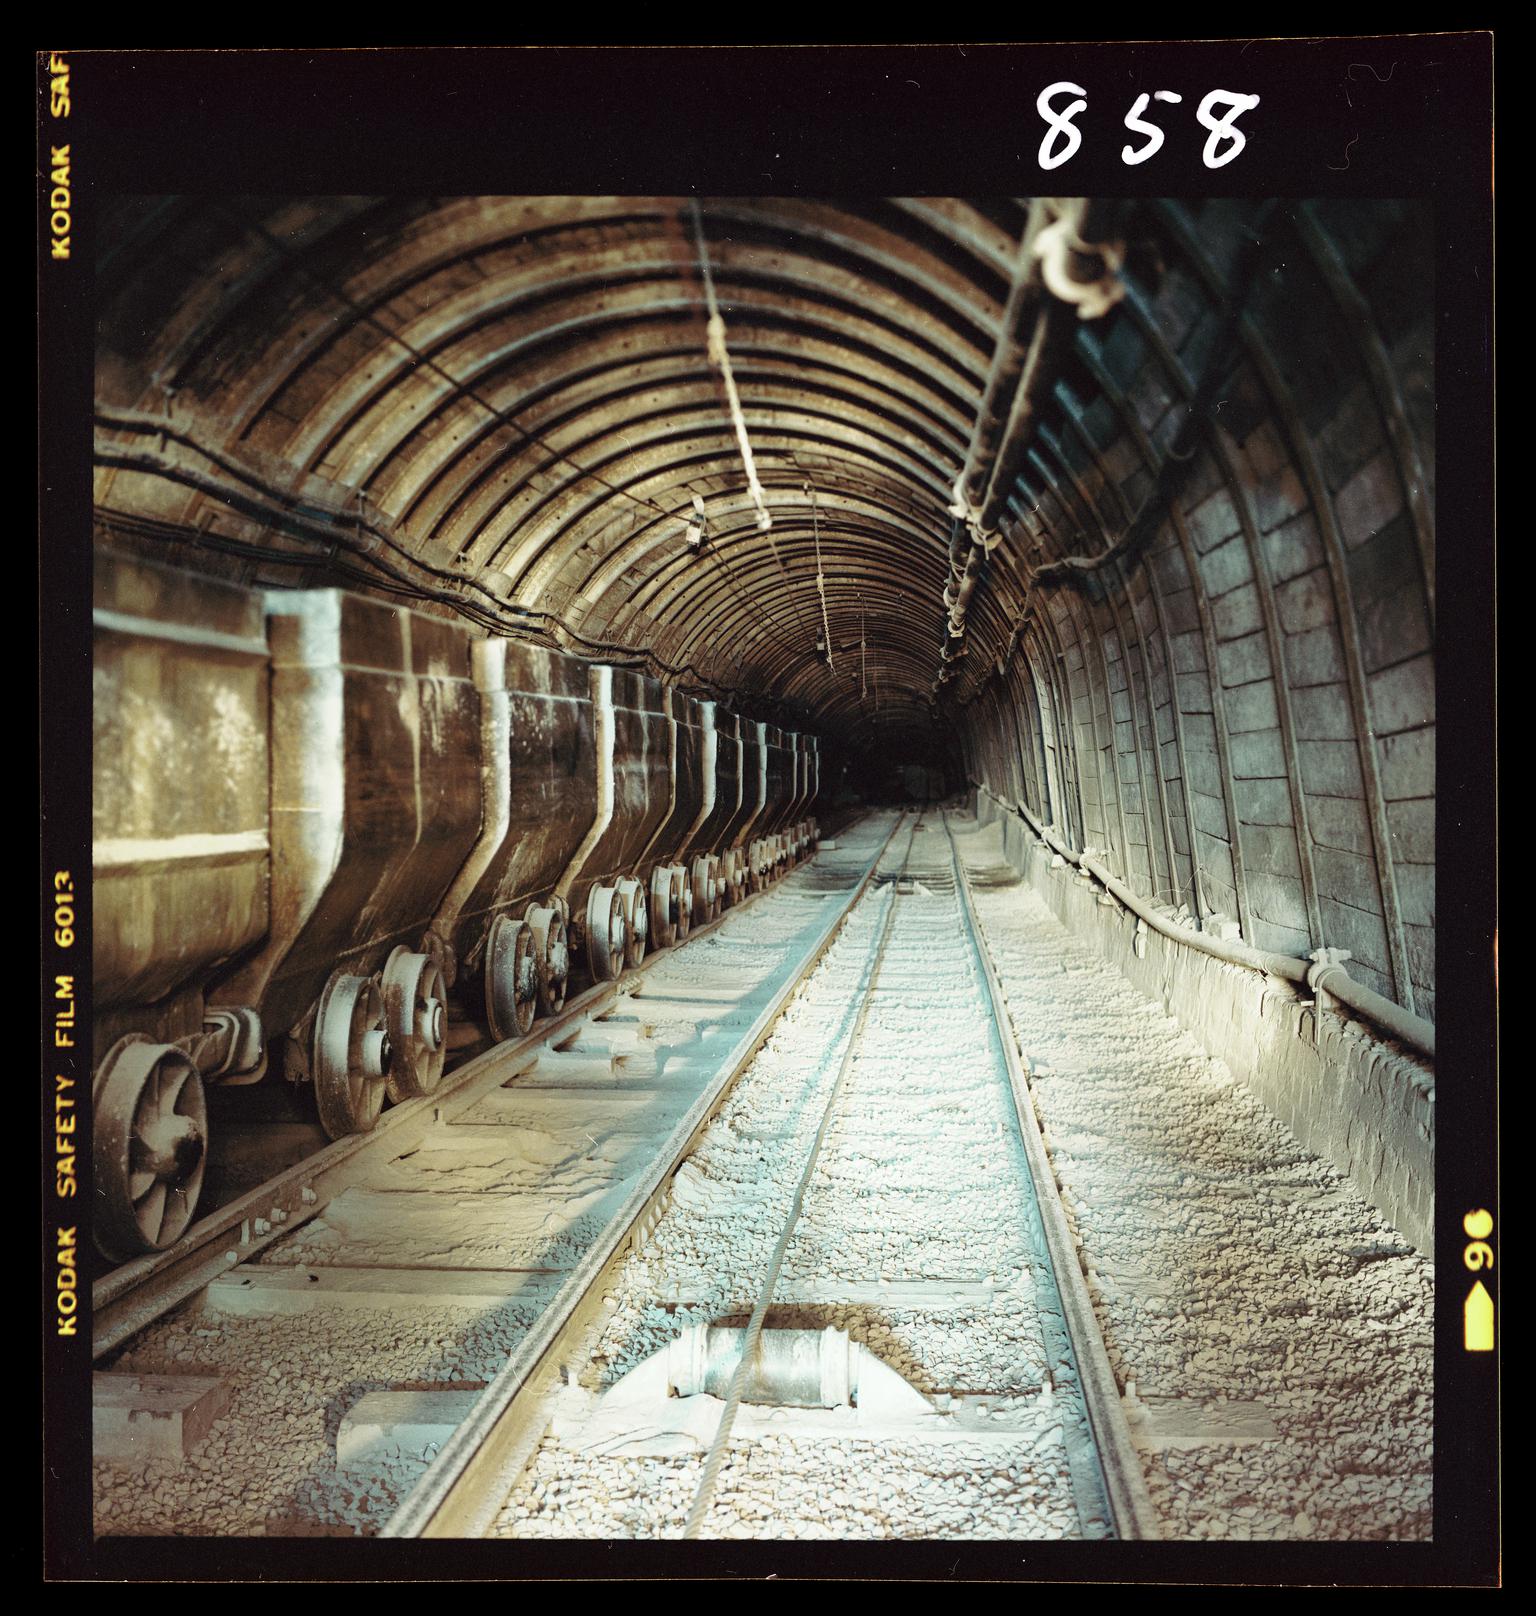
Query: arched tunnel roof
point(523, 384)
point(1199, 633)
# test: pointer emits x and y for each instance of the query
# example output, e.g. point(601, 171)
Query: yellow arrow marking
point(1477, 1318)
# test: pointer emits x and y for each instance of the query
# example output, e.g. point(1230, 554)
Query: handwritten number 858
point(1063, 137)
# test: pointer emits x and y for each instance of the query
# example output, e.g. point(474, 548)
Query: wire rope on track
point(699, 1511)
point(467, 1481)
point(1118, 1476)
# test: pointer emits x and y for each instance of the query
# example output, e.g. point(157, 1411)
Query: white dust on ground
point(922, 1177)
point(269, 1462)
point(1232, 1264)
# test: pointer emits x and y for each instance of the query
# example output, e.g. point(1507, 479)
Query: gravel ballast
point(1231, 1266)
point(466, 1201)
point(1271, 1335)
point(922, 1178)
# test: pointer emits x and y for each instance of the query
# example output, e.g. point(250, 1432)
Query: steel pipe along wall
point(1197, 643)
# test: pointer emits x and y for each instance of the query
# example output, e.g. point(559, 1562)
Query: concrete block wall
point(1364, 1106)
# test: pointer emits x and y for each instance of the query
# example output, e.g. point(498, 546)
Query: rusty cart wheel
point(637, 919)
point(511, 978)
point(351, 1055)
point(716, 886)
point(755, 879)
point(682, 895)
point(551, 955)
point(699, 876)
point(663, 916)
point(606, 934)
point(149, 1125)
point(416, 1017)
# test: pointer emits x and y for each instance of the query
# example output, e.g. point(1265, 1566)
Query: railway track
point(418, 1255)
point(131, 1295)
point(859, 1311)
point(630, 1281)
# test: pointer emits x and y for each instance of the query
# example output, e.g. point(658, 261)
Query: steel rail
point(133, 1295)
point(466, 1484)
point(1132, 1514)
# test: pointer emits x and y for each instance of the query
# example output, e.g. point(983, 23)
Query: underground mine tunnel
point(804, 828)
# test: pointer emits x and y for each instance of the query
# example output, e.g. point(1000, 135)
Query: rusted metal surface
point(375, 792)
point(548, 763)
point(179, 807)
point(782, 783)
point(731, 788)
point(686, 787)
point(642, 781)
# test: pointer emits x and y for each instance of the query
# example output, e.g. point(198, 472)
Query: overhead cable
point(821, 587)
point(720, 358)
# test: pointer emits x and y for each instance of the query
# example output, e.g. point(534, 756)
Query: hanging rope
point(720, 358)
point(821, 587)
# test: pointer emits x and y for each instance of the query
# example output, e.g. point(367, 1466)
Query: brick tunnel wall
point(1242, 715)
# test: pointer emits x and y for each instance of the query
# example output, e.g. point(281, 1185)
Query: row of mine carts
point(329, 831)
